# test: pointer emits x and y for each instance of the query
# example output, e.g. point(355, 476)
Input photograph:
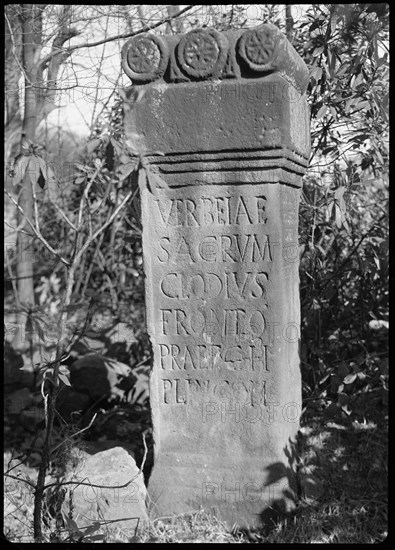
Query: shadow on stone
point(284, 490)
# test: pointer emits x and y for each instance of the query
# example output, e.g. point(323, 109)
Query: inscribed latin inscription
point(210, 267)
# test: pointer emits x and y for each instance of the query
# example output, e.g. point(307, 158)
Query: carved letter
point(190, 207)
point(162, 242)
point(241, 210)
point(175, 352)
point(180, 323)
point(161, 209)
point(165, 320)
point(163, 348)
point(168, 288)
point(223, 211)
point(166, 389)
point(261, 207)
point(260, 280)
point(184, 249)
point(261, 251)
point(208, 249)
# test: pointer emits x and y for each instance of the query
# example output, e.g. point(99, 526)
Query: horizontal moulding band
point(207, 166)
point(236, 176)
point(217, 156)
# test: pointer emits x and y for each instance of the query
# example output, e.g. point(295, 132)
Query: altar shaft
point(223, 126)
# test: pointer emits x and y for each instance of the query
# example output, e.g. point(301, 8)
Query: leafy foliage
point(344, 210)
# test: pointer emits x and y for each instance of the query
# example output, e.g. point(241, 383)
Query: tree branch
point(21, 479)
point(14, 50)
point(122, 36)
point(107, 223)
point(55, 59)
point(36, 232)
point(18, 229)
point(64, 216)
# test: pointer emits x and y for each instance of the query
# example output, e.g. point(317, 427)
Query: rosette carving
point(145, 57)
point(257, 48)
point(202, 53)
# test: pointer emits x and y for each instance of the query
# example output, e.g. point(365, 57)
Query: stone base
point(246, 492)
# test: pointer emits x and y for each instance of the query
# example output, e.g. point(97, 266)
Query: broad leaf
point(322, 111)
point(92, 528)
point(93, 145)
point(19, 169)
point(64, 379)
point(34, 168)
point(350, 378)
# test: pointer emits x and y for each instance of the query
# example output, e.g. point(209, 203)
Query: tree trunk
point(12, 114)
point(175, 26)
point(289, 22)
point(31, 24)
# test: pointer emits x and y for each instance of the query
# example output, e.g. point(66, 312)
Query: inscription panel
point(214, 255)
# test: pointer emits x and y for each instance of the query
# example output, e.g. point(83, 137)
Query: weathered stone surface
point(221, 255)
point(123, 507)
point(258, 105)
point(223, 314)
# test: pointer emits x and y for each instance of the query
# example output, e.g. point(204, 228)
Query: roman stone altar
point(223, 124)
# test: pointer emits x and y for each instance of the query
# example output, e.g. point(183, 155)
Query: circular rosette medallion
point(257, 47)
point(202, 53)
point(145, 57)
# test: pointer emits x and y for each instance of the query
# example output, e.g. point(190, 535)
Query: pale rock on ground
point(111, 468)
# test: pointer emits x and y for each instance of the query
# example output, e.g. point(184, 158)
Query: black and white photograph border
point(196, 242)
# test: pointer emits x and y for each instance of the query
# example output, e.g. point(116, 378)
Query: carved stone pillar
point(224, 126)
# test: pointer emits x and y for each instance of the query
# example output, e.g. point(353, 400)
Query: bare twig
point(99, 70)
point(37, 232)
point(87, 275)
point(18, 229)
point(64, 216)
point(76, 433)
point(122, 36)
point(21, 479)
point(85, 197)
point(80, 223)
point(36, 216)
point(45, 400)
point(133, 226)
point(89, 241)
